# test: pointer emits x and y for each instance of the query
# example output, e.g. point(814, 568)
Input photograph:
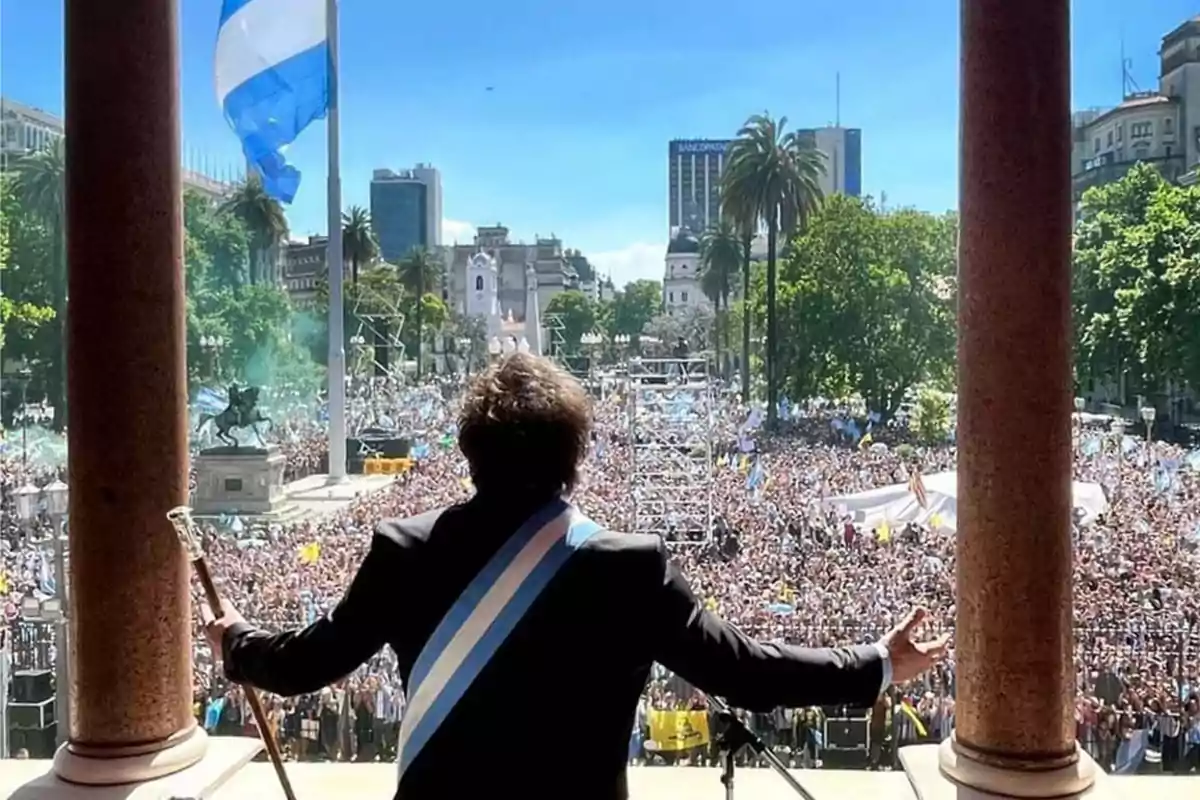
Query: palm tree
point(774, 177)
point(358, 240)
point(41, 186)
point(420, 271)
point(263, 217)
point(720, 257)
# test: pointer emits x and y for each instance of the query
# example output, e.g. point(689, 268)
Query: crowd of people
point(781, 561)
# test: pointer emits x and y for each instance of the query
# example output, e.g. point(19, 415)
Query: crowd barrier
point(677, 730)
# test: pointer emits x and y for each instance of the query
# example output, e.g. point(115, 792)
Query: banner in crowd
point(679, 730)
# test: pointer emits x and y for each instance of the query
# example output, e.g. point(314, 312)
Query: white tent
point(897, 505)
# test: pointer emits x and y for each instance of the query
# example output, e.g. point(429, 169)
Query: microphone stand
point(732, 736)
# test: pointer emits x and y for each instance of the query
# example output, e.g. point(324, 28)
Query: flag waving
point(917, 487)
point(272, 74)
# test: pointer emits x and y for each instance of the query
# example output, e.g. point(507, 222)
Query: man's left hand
point(911, 659)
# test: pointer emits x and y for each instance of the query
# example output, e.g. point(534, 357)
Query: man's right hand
point(911, 659)
point(215, 628)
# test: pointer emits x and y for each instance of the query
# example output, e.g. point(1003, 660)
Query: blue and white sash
point(483, 617)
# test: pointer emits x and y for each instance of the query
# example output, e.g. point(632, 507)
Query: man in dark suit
point(550, 712)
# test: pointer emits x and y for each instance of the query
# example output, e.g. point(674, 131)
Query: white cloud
point(457, 231)
point(634, 262)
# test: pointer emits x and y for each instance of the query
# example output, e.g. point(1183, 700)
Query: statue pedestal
point(239, 480)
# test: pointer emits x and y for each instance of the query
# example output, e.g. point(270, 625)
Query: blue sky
point(572, 140)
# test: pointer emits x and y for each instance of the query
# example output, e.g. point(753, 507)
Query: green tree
point(215, 246)
point(866, 303)
point(263, 217)
point(358, 240)
point(720, 260)
point(41, 186)
point(774, 175)
point(419, 272)
point(19, 317)
point(633, 307)
point(578, 316)
point(931, 416)
point(255, 322)
point(1137, 283)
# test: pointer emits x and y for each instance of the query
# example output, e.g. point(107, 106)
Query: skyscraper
point(695, 167)
point(406, 210)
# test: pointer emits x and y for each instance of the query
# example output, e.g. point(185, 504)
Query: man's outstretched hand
point(910, 659)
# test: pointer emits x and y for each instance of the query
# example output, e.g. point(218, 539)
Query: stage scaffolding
point(376, 348)
point(555, 346)
point(671, 445)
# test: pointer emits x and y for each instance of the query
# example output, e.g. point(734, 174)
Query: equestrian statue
point(242, 412)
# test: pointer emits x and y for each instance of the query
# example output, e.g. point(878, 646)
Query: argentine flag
point(272, 73)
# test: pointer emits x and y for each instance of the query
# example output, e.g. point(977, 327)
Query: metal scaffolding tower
point(555, 346)
point(375, 348)
point(671, 446)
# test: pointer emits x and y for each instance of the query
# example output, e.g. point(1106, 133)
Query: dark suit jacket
point(551, 714)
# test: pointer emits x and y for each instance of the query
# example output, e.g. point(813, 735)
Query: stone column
point(1014, 627)
point(130, 611)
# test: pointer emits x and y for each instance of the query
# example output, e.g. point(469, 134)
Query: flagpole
point(337, 353)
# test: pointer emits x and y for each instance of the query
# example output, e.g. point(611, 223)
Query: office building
point(1159, 127)
point(695, 167)
point(305, 266)
point(25, 129)
point(843, 159)
point(406, 210)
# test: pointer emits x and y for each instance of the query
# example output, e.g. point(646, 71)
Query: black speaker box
point(28, 716)
point(32, 685)
point(38, 742)
point(845, 733)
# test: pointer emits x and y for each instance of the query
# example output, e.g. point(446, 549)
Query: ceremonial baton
point(189, 537)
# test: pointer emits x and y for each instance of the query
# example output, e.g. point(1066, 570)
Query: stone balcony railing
point(33, 780)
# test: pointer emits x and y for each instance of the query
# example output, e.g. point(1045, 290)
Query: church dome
point(683, 243)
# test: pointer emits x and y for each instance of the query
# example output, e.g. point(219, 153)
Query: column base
point(103, 766)
point(220, 759)
point(938, 772)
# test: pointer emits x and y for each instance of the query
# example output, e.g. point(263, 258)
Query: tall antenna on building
point(837, 100)
point(1128, 84)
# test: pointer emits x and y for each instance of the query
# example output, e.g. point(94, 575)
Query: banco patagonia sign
point(698, 146)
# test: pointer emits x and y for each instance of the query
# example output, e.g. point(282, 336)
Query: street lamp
point(465, 351)
point(1148, 413)
point(22, 375)
point(25, 499)
point(212, 344)
point(57, 498)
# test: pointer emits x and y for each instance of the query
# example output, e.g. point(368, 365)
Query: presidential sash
point(482, 618)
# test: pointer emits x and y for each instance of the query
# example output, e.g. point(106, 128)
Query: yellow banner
point(679, 730)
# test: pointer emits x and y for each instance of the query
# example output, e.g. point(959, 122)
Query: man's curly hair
point(525, 425)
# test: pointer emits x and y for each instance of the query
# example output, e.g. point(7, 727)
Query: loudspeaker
point(38, 742)
point(32, 685)
point(28, 716)
point(846, 733)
